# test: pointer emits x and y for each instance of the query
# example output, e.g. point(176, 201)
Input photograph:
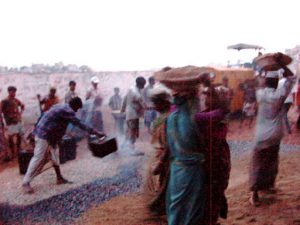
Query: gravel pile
point(238, 148)
point(64, 208)
point(85, 169)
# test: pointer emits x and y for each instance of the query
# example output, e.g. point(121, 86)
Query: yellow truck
point(235, 76)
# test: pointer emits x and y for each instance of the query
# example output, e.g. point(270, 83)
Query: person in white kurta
point(269, 132)
point(71, 93)
point(133, 106)
point(94, 90)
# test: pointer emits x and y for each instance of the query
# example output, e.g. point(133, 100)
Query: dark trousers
point(14, 142)
point(264, 168)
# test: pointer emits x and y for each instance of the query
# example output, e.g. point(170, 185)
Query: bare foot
point(270, 191)
point(254, 199)
point(27, 189)
point(63, 181)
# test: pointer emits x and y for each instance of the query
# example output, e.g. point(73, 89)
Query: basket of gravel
point(272, 61)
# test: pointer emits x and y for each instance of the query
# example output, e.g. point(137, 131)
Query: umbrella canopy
point(241, 46)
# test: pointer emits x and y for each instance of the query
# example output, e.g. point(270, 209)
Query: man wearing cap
point(94, 90)
point(269, 132)
point(133, 106)
point(12, 109)
point(48, 133)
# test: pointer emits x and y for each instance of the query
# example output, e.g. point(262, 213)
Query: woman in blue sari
point(186, 191)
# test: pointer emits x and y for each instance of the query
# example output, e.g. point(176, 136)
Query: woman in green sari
point(185, 197)
point(186, 191)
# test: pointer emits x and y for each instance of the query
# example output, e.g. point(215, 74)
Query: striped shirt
point(53, 124)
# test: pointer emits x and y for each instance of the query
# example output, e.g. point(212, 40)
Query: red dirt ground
point(282, 208)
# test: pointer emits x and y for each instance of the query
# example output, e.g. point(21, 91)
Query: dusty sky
point(140, 34)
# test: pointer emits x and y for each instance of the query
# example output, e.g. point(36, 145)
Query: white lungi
point(16, 129)
point(42, 151)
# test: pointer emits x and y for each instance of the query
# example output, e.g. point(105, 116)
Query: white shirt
point(269, 124)
point(69, 95)
point(289, 98)
point(134, 104)
point(92, 93)
point(146, 95)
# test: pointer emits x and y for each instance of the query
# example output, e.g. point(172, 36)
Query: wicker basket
point(268, 62)
point(182, 78)
point(24, 158)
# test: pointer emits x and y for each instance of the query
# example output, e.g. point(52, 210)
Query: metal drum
point(24, 158)
point(67, 149)
point(102, 147)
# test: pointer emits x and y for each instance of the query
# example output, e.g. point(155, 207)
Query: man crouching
point(48, 133)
